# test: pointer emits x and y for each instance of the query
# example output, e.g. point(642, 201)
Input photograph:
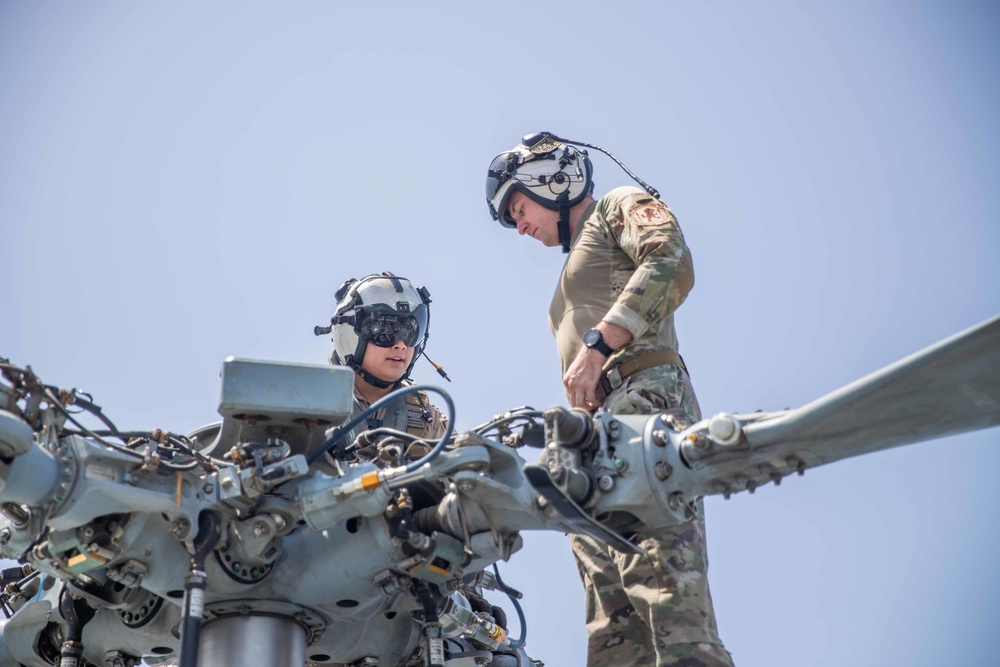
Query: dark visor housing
point(382, 325)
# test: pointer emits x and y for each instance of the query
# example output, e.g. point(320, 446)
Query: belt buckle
point(614, 378)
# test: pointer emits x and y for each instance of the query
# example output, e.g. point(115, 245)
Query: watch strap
point(601, 346)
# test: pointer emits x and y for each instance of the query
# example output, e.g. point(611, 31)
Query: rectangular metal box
point(285, 391)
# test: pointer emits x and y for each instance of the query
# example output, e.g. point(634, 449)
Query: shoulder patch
point(649, 213)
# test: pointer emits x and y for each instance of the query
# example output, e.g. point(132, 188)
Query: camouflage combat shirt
point(628, 265)
point(410, 414)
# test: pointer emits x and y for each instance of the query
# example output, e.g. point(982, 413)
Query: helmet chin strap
point(563, 226)
point(374, 381)
point(352, 363)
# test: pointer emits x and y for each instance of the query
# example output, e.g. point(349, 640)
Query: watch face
point(592, 338)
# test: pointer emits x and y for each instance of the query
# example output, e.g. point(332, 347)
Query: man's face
point(533, 219)
point(387, 363)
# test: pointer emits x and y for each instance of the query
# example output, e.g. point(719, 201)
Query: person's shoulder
point(623, 192)
point(619, 198)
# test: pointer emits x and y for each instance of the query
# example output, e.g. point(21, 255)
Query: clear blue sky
point(184, 181)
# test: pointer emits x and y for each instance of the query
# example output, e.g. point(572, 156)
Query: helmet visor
point(382, 325)
point(501, 170)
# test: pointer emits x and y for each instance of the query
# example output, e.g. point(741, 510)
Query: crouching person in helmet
point(380, 327)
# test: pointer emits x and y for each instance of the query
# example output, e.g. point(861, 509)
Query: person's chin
point(392, 376)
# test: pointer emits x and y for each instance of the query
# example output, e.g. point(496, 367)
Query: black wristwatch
point(595, 341)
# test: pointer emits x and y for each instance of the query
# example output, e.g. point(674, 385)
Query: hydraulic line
point(344, 429)
point(76, 613)
point(510, 593)
point(433, 634)
point(209, 531)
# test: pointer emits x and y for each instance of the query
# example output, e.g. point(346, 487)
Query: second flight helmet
point(379, 309)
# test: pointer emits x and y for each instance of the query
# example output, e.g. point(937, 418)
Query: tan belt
point(613, 377)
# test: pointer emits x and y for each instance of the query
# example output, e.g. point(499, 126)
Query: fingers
point(583, 398)
point(581, 381)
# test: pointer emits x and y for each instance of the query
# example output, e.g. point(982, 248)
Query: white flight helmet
point(545, 168)
point(379, 309)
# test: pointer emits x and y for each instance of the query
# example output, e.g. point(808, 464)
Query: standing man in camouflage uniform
point(627, 271)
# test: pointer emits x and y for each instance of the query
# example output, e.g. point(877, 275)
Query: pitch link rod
point(209, 531)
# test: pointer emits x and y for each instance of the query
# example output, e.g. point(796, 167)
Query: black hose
point(432, 626)
point(341, 431)
point(96, 411)
point(513, 414)
point(76, 613)
point(209, 530)
point(54, 401)
point(509, 592)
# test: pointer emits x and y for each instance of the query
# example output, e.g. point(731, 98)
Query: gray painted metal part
point(340, 564)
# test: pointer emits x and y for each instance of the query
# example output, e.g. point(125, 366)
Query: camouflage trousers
point(652, 609)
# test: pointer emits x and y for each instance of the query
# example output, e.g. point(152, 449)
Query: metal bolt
point(465, 486)
point(660, 439)
point(621, 464)
point(179, 528)
point(208, 488)
point(662, 471)
point(676, 500)
point(614, 429)
point(87, 532)
point(260, 529)
point(605, 483)
point(698, 441)
point(227, 483)
point(751, 485)
point(776, 478)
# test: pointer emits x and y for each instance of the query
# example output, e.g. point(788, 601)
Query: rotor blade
point(950, 387)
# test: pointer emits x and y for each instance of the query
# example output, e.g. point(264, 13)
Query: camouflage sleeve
point(648, 233)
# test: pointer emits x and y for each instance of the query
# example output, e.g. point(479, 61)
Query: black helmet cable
point(547, 137)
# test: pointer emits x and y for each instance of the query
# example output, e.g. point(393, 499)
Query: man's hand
point(583, 374)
